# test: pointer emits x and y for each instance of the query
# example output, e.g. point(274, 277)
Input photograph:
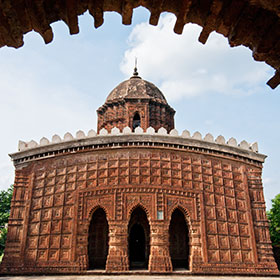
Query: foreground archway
point(179, 240)
point(254, 24)
point(138, 240)
point(98, 240)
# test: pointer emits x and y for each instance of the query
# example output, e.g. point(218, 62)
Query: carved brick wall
point(50, 229)
point(121, 114)
point(18, 221)
point(260, 223)
point(228, 216)
point(221, 199)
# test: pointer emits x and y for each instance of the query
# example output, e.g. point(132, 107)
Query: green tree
point(274, 221)
point(5, 206)
point(274, 227)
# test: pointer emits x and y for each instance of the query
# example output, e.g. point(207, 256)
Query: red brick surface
point(221, 199)
point(66, 201)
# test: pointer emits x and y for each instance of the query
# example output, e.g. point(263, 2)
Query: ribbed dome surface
point(138, 88)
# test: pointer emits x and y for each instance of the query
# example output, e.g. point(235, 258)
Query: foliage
point(274, 221)
point(5, 205)
point(3, 238)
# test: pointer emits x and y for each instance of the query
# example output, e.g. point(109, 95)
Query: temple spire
point(135, 73)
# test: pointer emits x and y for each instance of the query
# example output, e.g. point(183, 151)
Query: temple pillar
point(117, 259)
point(159, 260)
point(196, 252)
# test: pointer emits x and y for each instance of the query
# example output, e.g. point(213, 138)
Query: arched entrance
point(98, 240)
point(138, 239)
point(179, 240)
point(136, 121)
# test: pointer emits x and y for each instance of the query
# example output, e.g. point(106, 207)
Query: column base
point(159, 263)
point(117, 263)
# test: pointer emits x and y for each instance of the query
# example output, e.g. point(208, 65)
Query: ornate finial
point(135, 73)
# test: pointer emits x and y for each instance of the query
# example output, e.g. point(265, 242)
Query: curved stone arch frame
point(88, 220)
point(141, 112)
point(129, 213)
point(93, 209)
point(188, 220)
point(149, 218)
point(133, 207)
point(267, 12)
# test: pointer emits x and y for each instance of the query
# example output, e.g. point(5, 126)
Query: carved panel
point(225, 256)
point(146, 200)
point(35, 216)
point(53, 255)
point(32, 242)
point(68, 212)
point(57, 213)
point(233, 229)
point(212, 241)
point(56, 226)
point(221, 214)
point(55, 241)
point(37, 203)
point(187, 203)
point(67, 226)
point(222, 227)
point(48, 201)
point(66, 241)
point(42, 255)
point(236, 256)
point(65, 255)
point(244, 230)
point(210, 213)
point(209, 199)
point(58, 199)
point(213, 256)
point(211, 227)
point(60, 187)
point(46, 214)
point(234, 242)
point(232, 216)
point(104, 201)
point(247, 256)
point(31, 255)
point(34, 229)
point(245, 243)
point(44, 241)
point(224, 242)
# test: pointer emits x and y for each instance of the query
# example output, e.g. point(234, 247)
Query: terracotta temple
point(137, 195)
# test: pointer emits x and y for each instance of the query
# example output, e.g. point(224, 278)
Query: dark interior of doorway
point(139, 240)
point(179, 241)
point(136, 121)
point(98, 240)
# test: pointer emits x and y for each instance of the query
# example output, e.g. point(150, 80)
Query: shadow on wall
point(276, 251)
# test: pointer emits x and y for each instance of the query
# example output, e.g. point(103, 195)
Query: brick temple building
point(137, 195)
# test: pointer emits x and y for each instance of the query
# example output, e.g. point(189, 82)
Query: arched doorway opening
point(138, 240)
point(136, 121)
point(98, 240)
point(179, 240)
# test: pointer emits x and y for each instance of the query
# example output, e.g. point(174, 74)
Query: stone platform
point(136, 277)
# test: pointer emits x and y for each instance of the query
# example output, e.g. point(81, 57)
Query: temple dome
point(135, 102)
point(136, 88)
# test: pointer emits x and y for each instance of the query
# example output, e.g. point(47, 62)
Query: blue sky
point(55, 88)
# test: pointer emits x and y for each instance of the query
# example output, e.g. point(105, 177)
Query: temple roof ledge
point(161, 132)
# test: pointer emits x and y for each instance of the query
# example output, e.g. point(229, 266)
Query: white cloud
point(183, 67)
